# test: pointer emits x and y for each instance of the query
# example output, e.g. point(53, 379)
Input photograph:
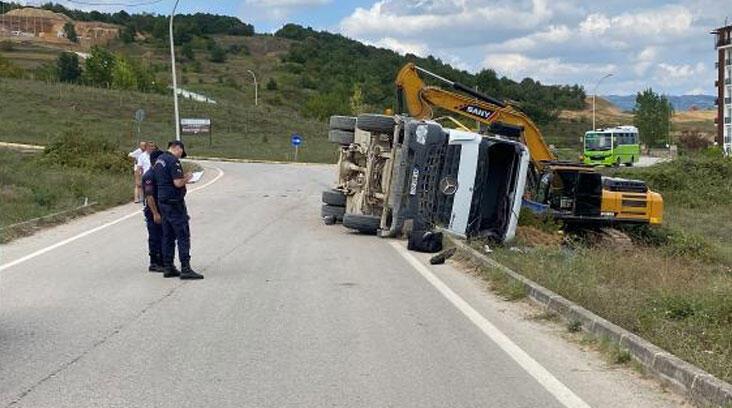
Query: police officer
point(153, 217)
point(171, 183)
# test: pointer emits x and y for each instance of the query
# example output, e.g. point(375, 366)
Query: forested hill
point(332, 64)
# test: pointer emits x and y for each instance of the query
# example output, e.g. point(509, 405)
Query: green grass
point(698, 200)
point(675, 287)
point(682, 305)
point(32, 187)
point(36, 112)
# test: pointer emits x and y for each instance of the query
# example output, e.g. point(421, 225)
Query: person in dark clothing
point(171, 183)
point(152, 217)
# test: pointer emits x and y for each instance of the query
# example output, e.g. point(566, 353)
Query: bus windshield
point(598, 141)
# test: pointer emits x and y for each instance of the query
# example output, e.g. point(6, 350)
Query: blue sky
point(662, 44)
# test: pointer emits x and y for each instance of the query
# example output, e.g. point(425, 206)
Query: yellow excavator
point(572, 192)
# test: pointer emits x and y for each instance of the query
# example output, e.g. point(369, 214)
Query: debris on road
point(443, 256)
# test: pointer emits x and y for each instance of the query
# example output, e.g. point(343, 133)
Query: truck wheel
point(366, 224)
point(334, 197)
point(332, 211)
point(343, 123)
point(340, 137)
point(630, 163)
point(376, 123)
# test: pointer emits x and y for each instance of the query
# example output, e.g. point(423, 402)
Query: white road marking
point(560, 391)
point(93, 230)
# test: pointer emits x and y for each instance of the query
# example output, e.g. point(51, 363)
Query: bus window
point(598, 141)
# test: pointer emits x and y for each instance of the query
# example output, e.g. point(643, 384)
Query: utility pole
point(594, 97)
point(175, 79)
point(256, 88)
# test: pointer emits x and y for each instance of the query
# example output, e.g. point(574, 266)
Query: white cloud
point(644, 60)
point(664, 22)
point(645, 42)
point(278, 10)
point(453, 20)
point(547, 70)
point(401, 47)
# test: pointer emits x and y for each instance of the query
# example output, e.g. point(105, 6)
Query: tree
point(272, 85)
point(128, 34)
point(99, 67)
point(123, 75)
point(68, 68)
point(356, 100)
point(187, 51)
point(70, 32)
point(218, 54)
point(653, 114)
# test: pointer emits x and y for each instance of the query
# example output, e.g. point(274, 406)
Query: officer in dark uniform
point(153, 217)
point(171, 183)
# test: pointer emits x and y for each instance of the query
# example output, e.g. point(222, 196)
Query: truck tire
point(340, 137)
point(332, 211)
point(376, 123)
point(347, 123)
point(366, 224)
point(334, 197)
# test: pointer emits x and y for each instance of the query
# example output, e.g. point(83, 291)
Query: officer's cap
point(182, 146)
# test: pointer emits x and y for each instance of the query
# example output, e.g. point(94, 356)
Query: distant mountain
point(680, 103)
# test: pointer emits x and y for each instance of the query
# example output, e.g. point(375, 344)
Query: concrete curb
point(255, 161)
point(21, 146)
point(701, 387)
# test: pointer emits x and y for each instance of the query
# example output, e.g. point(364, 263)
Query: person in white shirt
point(143, 160)
point(135, 155)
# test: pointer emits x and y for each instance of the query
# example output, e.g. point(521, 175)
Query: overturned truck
point(398, 176)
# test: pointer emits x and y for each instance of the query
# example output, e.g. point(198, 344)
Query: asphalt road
point(291, 314)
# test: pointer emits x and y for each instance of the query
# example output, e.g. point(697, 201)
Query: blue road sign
point(296, 140)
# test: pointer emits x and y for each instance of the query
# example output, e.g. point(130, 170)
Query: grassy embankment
point(675, 287)
point(69, 172)
point(37, 112)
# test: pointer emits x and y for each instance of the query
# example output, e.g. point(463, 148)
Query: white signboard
point(195, 126)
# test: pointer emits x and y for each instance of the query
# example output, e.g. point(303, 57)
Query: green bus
point(612, 147)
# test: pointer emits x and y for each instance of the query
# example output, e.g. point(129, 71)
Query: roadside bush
point(7, 46)
point(9, 70)
point(74, 150)
point(693, 140)
point(673, 242)
point(693, 181)
point(546, 224)
point(682, 244)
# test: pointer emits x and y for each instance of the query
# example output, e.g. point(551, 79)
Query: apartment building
point(723, 45)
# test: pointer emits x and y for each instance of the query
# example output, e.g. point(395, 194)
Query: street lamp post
point(256, 88)
point(594, 96)
point(175, 78)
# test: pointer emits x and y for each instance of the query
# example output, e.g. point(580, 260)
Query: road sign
point(140, 115)
point(139, 118)
point(296, 141)
point(197, 126)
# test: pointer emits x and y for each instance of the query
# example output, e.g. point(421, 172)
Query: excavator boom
point(418, 99)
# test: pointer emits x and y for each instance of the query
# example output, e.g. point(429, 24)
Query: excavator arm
point(418, 99)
